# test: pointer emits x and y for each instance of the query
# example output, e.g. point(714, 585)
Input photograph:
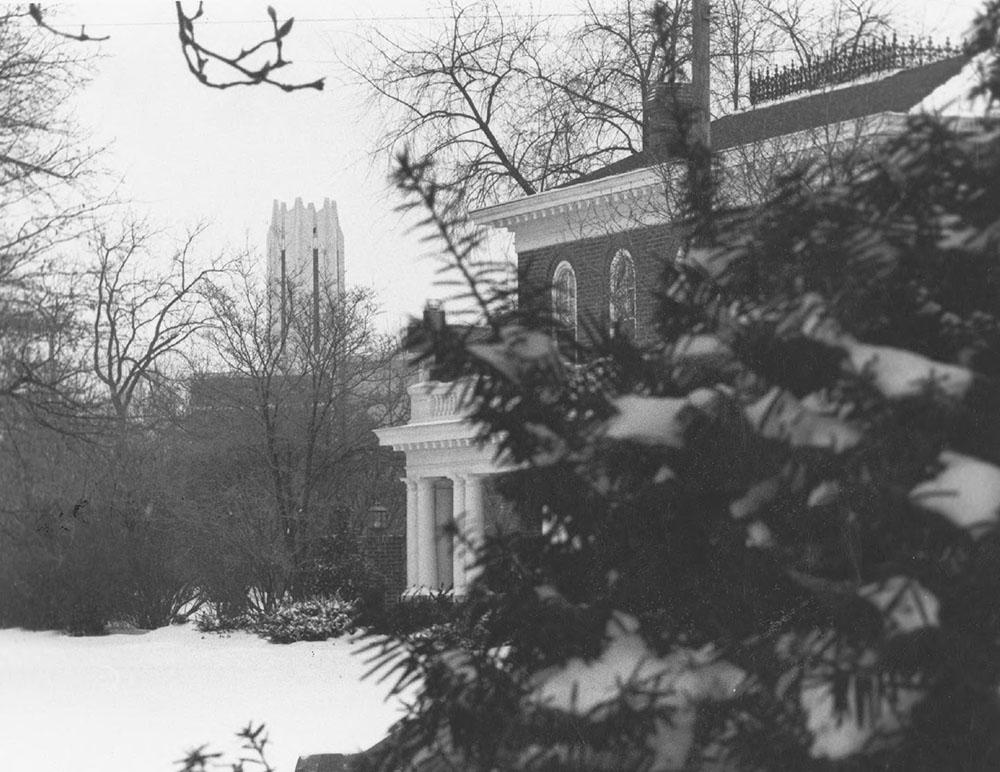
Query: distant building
point(305, 259)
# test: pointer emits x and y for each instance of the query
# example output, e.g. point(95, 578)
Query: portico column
point(412, 538)
point(475, 517)
point(426, 526)
point(459, 556)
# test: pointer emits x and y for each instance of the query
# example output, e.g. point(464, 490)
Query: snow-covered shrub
point(775, 549)
point(215, 619)
point(315, 619)
point(312, 619)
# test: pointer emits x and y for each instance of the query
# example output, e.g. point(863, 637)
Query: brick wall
point(591, 260)
point(387, 553)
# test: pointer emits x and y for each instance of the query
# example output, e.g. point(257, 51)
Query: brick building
point(595, 249)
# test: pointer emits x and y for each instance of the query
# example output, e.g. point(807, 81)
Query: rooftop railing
point(438, 401)
point(847, 64)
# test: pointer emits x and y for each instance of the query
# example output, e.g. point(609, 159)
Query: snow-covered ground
point(138, 702)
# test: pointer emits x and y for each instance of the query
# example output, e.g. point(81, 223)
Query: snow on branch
point(518, 352)
point(680, 680)
point(966, 491)
point(656, 420)
point(905, 604)
point(779, 415)
point(899, 373)
point(838, 733)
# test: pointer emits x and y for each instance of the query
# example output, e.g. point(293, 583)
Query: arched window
point(622, 292)
point(564, 297)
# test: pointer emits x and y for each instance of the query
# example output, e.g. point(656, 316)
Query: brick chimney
point(666, 119)
point(434, 315)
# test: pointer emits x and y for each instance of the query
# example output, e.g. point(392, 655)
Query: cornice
point(619, 187)
point(454, 433)
point(630, 200)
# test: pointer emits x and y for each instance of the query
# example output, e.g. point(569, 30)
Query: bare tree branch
point(35, 12)
point(44, 204)
point(199, 57)
point(139, 320)
point(511, 105)
point(299, 400)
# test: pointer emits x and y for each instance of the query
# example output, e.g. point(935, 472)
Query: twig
point(35, 12)
point(198, 56)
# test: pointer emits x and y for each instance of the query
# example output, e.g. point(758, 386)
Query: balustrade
point(846, 64)
point(434, 401)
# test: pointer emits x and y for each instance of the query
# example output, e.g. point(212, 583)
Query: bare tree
point(743, 40)
point(512, 104)
point(44, 202)
point(460, 96)
point(282, 433)
point(807, 30)
point(141, 320)
point(41, 367)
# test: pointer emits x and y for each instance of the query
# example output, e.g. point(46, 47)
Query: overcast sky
point(184, 153)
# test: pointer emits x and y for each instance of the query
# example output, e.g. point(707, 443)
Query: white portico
point(445, 476)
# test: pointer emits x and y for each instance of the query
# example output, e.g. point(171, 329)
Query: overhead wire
point(328, 19)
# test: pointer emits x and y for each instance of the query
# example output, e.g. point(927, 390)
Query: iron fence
point(846, 64)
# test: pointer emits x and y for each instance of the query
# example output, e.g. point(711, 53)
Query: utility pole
point(700, 71)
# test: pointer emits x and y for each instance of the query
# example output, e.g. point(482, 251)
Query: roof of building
point(897, 93)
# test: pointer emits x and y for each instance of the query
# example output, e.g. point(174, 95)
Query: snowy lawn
point(137, 702)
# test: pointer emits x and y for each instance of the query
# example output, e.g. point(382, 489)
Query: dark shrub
point(159, 584)
point(62, 572)
point(413, 614)
point(82, 570)
point(334, 566)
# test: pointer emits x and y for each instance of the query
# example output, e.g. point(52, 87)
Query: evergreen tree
point(769, 542)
